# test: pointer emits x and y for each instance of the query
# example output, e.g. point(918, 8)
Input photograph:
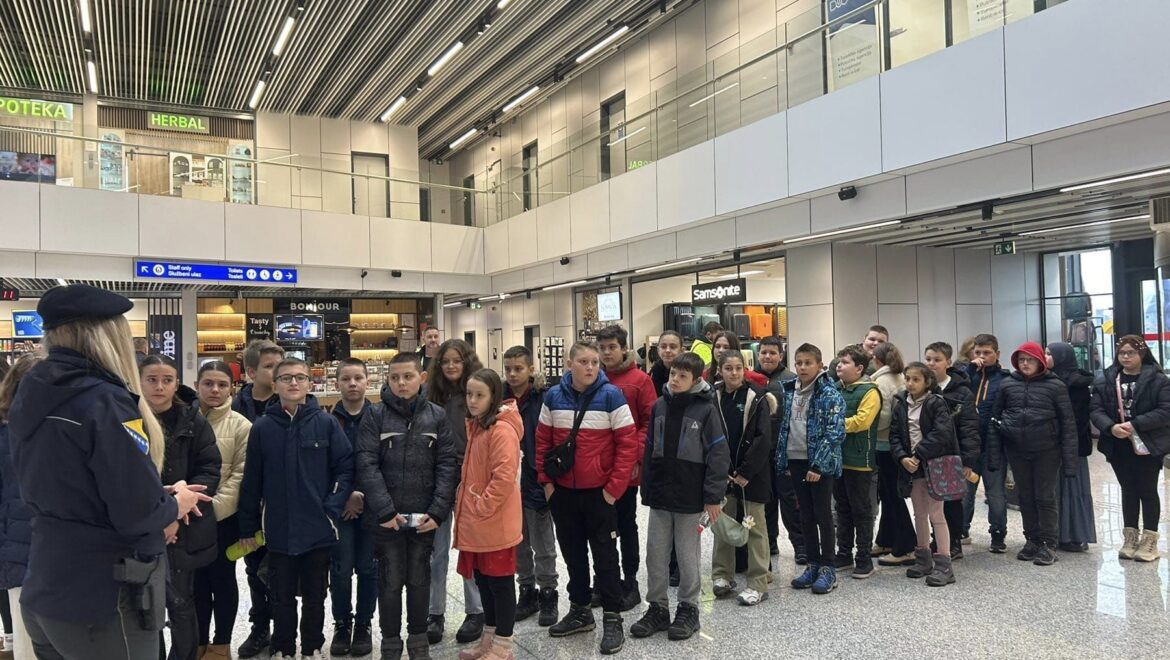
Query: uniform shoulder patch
point(137, 432)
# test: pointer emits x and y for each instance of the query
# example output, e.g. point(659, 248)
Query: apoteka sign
point(725, 291)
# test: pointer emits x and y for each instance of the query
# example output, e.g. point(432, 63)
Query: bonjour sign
point(725, 291)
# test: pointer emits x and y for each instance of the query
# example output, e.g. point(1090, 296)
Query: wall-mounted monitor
point(27, 325)
point(299, 327)
point(609, 306)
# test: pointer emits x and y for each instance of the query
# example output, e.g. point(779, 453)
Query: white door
point(371, 196)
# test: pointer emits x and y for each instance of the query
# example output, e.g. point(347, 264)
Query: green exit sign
point(1006, 247)
point(168, 121)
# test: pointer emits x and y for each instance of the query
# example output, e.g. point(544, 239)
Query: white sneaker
point(722, 587)
point(317, 655)
point(751, 597)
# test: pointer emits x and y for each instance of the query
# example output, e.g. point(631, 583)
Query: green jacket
point(863, 405)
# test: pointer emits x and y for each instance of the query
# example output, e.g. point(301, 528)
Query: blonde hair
point(109, 344)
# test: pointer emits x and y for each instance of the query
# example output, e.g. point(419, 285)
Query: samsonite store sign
point(169, 121)
point(724, 291)
point(34, 109)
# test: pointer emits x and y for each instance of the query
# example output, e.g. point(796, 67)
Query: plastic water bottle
point(704, 523)
point(236, 550)
point(1139, 446)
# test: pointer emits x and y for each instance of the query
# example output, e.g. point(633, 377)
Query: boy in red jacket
point(636, 385)
point(582, 498)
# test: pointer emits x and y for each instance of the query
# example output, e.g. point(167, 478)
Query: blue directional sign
point(169, 270)
point(27, 324)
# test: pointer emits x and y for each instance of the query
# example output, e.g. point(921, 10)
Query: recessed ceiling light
point(851, 230)
point(282, 38)
point(393, 107)
point(520, 99)
point(86, 25)
point(255, 100)
point(91, 70)
point(463, 138)
point(502, 3)
point(565, 285)
point(1120, 179)
point(602, 44)
point(1041, 232)
point(455, 48)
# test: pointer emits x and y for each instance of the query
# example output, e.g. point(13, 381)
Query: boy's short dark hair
point(257, 349)
point(289, 362)
point(518, 353)
point(809, 349)
point(407, 357)
point(773, 341)
point(613, 333)
point(941, 347)
point(987, 340)
point(353, 362)
point(689, 362)
point(879, 328)
point(713, 326)
point(856, 355)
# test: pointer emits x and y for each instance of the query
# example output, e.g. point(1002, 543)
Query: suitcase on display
point(741, 325)
point(761, 326)
point(688, 325)
point(781, 325)
point(707, 318)
point(752, 310)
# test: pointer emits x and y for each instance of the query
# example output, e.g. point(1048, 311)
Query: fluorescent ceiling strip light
point(851, 230)
point(520, 99)
point(444, 57)
point(62, 282)
point(1120, 179)
point(463, 138)
point(486, 298)
point(562, 286)
point(650, 269)
point(282, 38)
point(393, 108)
point(255, 100)
point(712, 95)
point(1041, 232)
point(454, 304)
point(502, 3)
point(627, 136)
point(91, 69)
point(85, 22)
point(602, 44)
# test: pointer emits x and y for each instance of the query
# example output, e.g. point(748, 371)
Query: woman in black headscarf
point(1077, 526)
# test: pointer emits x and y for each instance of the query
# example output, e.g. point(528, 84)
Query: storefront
point(28, 151)
point(21, 327)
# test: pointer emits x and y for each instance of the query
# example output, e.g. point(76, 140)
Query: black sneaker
point(862, 568)
point(998, 546)
point(471, 630)
point(843, 559)
point(1028, 552)
point(1045, 556)
point(631, 597)
point(435, 625)
point(956, 550)
point(258, 642)
point(342, 639)
point(656, 619)
point(527, 602)
point(578, 620)
point(612, 635)
point(363, 641)
point(686, 622)
point(548, 607)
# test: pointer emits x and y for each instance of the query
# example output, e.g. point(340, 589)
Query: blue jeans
point(354, 552)
point(994, 486)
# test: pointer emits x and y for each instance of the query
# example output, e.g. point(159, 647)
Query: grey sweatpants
point(680, 529)
point(536, 557)
point(440, 562)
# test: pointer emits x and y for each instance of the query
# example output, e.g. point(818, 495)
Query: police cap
point(66, 304)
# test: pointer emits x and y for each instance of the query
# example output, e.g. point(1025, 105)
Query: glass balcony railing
point(836, 44)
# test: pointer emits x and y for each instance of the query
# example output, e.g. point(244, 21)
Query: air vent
point(1160, 214)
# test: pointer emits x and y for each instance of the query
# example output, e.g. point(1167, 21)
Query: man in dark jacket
point(686, 461)
point(782, 506)
point(1033, 419)
point(406, 466)
point(955, 387)
point(536, 557)
point(986, 376)
point(298, 475)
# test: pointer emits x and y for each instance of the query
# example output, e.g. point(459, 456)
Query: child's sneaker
point(843, 559)
point(807, 578)
point(826, 581)
point(1028, 552)
point(998, 544)
point(686, 622)
point(1044, 556)
point(722, 587)
point(751, 597)
point(656, 619)
point(862, 568)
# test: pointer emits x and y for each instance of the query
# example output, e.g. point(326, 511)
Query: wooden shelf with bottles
point(221, 326)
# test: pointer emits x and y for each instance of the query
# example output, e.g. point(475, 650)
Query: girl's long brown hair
point(439, 389)
point(492, 379)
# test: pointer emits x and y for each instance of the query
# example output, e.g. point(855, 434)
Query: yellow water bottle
point(236, 550)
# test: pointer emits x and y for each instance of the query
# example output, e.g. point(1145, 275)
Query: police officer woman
point(88, 452)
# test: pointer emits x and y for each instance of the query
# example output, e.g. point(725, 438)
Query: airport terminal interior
point(341, 178)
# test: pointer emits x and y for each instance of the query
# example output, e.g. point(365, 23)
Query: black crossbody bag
point(558, 461)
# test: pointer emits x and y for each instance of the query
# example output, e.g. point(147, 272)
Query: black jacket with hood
point(961, 399)
point(1150, 409)
point(82, 457)
point(1033, 415)
point(752, 456)
point(1080, 386)
point(193, 456)
point(938, 435)
point(686, 455)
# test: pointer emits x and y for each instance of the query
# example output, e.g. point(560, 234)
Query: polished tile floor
point(1086, 606)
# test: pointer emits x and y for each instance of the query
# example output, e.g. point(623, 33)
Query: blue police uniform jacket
point(81, 452)
point(298, 473)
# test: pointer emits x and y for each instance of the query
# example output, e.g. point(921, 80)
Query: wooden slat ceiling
point(345, 58)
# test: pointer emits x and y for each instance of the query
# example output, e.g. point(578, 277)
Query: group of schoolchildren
point(504, 470)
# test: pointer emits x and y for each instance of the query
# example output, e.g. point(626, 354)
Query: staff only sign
point(725, 291)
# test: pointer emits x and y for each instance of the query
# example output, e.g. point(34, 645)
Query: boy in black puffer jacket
point(406, 464)
point(1033, 419)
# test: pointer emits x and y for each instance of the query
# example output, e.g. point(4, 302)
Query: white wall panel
point(387, 238)
point(333, 239)
point(495, 247)
point(999, 175)
point(316, 277)
point(456, 249)
point(88, 267)
point(91, 221)
point(855, 296)
point(811, 324)
point(706, 239)
point(610, 260)
point(926, 101)
point(443, 282)
point(835, 138)
point(973, 320)
point(522, 243)
point(936, 295)
point(633, 203)
point(774, 224)
point(335, 136)
point(20, 221)
point(810, 275)
point(751, 164)
point(653, 251)
point(304, 137)
point(973, 276)
point(180, 228)
point(884, 200)
point(262, 234)
point(1120, 149)
point(589, 217)
point(686, 186)
point(382, 280)
point(273, 182)
point(538, 276)
point(897, 275)
point(902, 322)
point(272, 131)
point(18, 264)
point(1082, 60)
point(507, 282)
point(552, 229)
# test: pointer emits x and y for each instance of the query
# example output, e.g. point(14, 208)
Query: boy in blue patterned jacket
point(812, 429)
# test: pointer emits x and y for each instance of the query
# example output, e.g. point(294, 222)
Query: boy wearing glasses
point(297, 477)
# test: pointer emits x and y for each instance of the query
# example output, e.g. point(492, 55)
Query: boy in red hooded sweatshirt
point(622, 371)
point(1032, 418)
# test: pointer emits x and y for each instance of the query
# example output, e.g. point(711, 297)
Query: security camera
point(364, 273)
point(565, 261)
point(848, 192)
point(395, 273)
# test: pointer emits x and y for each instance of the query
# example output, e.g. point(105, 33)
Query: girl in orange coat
point(488, 516)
